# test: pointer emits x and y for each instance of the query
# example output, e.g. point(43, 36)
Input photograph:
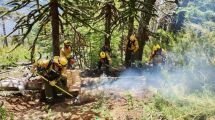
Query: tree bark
point(55, 27)
point(180, 17)
point(108, 24)
point(4, 32)
point(130, 32)
point(143, 35)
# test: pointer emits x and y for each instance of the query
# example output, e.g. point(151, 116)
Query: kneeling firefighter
point(52, 70)
point(66, 52)
point(131, 48)
point(157, 57)
point(104, 60)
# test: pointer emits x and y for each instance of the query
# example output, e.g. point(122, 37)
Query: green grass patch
point(195, 107)
point(4, 115)
point(11, 58)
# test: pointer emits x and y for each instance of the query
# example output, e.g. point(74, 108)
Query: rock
point(24, 104)
point(14, 100)
point(66, 115)
point(37, 100)
point(16, 109)
point(20, 107)
point(75, 117)
point(32, 103)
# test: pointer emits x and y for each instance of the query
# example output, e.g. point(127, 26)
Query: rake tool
point(56, 85)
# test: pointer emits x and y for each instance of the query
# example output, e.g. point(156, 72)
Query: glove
point(110, 62)
point(52, 83)
point(72, 61)
point(33, 70)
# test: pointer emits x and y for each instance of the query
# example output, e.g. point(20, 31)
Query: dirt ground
point(93, 105)
point(30, 108)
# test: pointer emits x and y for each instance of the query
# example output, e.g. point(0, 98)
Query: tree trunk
point(130, 32)
point(143, 35)
point(180, 17)
point(55, 27)
point(107, 24)
point(4, 32)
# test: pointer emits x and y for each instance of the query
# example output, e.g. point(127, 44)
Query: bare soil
point(93, 105)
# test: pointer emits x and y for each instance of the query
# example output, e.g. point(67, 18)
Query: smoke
point(183, 74)
point(188, 68)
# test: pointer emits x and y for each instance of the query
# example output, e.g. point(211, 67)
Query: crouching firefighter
point(66, 52)
point(53, 71)
point(104, 60)
point(131, 48)
point(157, 57)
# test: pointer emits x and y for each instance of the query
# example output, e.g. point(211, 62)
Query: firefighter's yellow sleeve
point(39, 63)
point(136, 46)
point(64, 72)
point(62, 52)
point(42, 63)
point(109, 58)
point(65, 52)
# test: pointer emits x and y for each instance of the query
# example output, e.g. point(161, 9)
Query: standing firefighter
point(131, 47)
point(53, 71)
point(157, 57)
point(104, 59)
point(66, 52)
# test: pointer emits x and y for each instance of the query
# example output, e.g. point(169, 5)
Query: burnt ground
point(30, 108)
point(111, 106)
point(94, 104)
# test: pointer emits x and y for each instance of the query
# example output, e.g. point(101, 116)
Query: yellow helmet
point(67, 42)
point(133, 37)
point(102, 54)
point(61, 61)
point(156, 47)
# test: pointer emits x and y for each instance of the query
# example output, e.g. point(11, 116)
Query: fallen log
point(12, 93)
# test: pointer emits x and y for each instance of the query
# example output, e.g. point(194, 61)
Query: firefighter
point(157, 56)
point(66, 52)
point(131, 47)
point(104, 59)
point(53, 70)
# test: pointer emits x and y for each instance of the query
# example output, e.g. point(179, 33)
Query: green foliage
point(101, 107)
point(180, 107)
point(130, 101)
point(5, 115)
point(10, 59)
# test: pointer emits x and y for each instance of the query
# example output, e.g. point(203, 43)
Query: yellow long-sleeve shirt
point(134, 46)
point(107, 56)
point(66, 52)
point(45, 64)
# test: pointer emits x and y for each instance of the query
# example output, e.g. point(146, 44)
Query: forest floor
point(108, 105)
point(28, 108)
point(103, 98)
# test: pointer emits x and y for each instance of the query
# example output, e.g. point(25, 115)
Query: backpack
point(130, 43)
point(50, 74)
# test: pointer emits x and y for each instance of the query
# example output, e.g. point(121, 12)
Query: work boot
point(50, 101)
point(42, 96)
point(60, 98)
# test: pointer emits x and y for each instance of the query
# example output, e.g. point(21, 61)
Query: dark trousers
point(51, 91)
point(69, 65)
point(105, 64)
